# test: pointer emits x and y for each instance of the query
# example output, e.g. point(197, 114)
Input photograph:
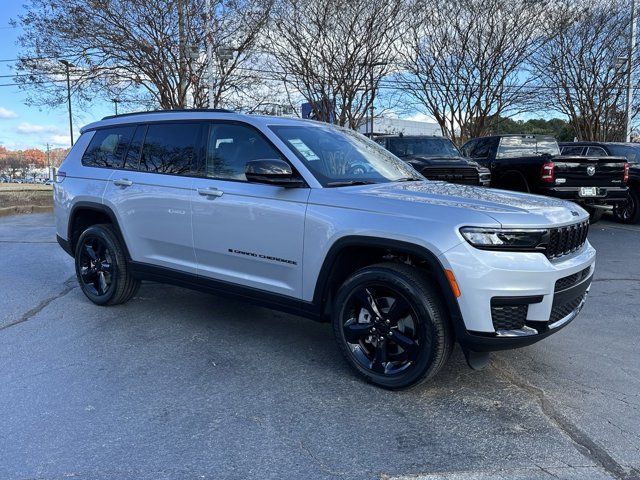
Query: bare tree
point(139, 51)
point(463, 60)
point(582, 71)
point(335, 53)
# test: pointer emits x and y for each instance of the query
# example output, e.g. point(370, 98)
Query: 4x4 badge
point(591, 170)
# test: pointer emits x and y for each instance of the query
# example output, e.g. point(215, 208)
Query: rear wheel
point(629, 211)
point(391, 326)
point(101, 267)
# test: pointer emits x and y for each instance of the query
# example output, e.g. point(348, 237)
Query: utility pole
point(209, 38)
point(632, 48)
point(182, 91)
point(67, 65)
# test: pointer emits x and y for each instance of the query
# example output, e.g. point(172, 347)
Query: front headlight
point(534, 240)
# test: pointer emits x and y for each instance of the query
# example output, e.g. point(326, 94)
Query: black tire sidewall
point(112, 244)
point(428, 323)
point(635, 215)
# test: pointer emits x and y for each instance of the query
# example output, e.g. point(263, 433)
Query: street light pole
point(630, 58)
point(67, 65)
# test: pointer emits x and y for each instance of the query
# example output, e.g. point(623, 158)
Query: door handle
point(123, 182)
point(210, 192)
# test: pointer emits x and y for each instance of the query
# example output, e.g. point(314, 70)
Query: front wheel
point(629, 211)
point(101, 267)
point(391, 326)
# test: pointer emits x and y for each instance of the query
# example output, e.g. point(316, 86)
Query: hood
point(510, 209)
point(422, 161)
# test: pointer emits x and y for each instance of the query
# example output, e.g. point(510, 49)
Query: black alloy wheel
point(391, 326)
point(101, 267)
point(629, 211)
point(96, 266)
point(382, 329)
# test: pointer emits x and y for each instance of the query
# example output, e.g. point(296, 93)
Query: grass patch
point(17, 195)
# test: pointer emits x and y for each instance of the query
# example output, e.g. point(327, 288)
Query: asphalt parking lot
point(179, 384)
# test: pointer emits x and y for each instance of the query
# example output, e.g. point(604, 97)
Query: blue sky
point(26, 127)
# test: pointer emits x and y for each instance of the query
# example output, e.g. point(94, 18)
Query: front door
point(246, 233)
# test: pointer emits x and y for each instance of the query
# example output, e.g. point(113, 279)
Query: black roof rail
point(209, 110)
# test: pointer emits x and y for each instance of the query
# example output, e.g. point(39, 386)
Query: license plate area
point(588, 191)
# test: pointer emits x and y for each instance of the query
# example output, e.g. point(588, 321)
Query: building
point(396, 126)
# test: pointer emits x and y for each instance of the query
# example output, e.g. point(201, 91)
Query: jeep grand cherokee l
point(273, 211)
point(533, 163)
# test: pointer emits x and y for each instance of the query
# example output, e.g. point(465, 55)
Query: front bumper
point(521, 282)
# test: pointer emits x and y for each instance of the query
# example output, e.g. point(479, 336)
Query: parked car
point(273, 211)
point(625, 212)
point(437, 158)
point(533, 163)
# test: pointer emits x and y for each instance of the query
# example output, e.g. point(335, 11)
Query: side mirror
point(273, 172)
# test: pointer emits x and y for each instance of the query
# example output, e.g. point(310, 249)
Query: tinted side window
point(231, 146)
point(170, 148)
point(467, 148)
point(132, 158)
point(482, 148)
point(107, 147)
point(596, 152)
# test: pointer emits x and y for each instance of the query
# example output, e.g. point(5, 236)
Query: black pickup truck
point(533, 163)
point(437, 158)
point(625, 212)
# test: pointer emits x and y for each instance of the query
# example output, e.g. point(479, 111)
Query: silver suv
point(321, 222)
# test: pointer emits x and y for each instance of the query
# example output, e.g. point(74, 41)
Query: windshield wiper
point(408, 179)
point(345, 183)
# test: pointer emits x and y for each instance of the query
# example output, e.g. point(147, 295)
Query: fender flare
point(321, 290)
point(97, 207)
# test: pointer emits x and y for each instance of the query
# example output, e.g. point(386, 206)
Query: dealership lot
point(178, 384)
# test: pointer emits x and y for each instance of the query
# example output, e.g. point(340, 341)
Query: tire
point(101, 267)
point(629, 211)
point(595, 214)
point(419, 322)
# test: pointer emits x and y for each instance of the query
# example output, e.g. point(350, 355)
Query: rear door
point(245, 233)
point(151, 194)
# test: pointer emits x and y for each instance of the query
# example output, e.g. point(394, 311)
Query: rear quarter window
point(170, 148)
point(107, 147)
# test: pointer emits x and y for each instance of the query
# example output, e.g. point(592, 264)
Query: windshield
point(511, 147)
point(337, 156)
point(427, 146)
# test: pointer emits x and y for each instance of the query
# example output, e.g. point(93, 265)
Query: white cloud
point(59, 140)
point(6, 113)
point(30, 128)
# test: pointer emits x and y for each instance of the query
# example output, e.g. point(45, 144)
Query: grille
point(571, 280)
point(565, 240)
point(508, 317)
point(464, 175)
point(558, 312)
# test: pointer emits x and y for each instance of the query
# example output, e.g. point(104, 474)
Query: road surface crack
point(581, 440)
point(68, 286)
